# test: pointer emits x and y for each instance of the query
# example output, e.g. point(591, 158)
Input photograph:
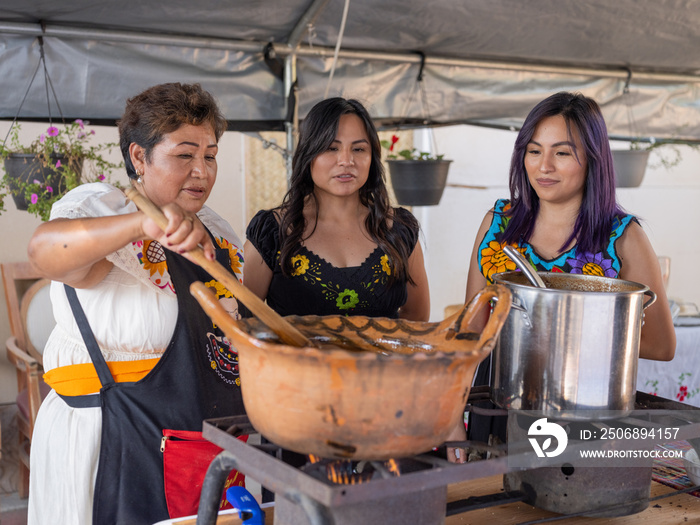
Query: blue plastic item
point(248, 509)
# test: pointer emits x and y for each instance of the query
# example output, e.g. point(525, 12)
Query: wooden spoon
point(287, 332)
point(212, 306)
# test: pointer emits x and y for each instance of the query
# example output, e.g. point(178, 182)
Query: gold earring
point(139, 177)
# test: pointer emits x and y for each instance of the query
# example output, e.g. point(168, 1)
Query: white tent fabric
point(484, 61)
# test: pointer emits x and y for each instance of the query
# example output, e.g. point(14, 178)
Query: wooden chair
point(31, 320)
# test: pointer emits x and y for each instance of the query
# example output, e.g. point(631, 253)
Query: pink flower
point(100, 177)
point(52, 131)
point(35, 198)
point(92, 132)
point(37, 181)
point(49, 189)
point(80, 123)
point(58, 164)
point(81, 135)
point(42, 138)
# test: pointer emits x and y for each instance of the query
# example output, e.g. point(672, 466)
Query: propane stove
point(405, 490)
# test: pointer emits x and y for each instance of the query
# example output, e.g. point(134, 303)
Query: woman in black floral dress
point(335, 245)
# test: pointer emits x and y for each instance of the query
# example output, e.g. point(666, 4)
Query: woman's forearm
point(73, 251)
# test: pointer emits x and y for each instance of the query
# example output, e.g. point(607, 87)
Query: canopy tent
point(484, 62)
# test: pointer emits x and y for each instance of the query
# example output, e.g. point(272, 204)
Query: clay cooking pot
point(371, 388)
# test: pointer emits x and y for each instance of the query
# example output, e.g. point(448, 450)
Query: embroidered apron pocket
point(186, 457)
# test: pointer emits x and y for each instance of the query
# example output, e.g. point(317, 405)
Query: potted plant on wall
point(41, 172)
point(418, 177)
point(631, 164)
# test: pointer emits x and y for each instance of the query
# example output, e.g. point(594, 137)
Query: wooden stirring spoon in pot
point(287, 332)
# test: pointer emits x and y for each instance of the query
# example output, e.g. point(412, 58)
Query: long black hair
point(317, 133)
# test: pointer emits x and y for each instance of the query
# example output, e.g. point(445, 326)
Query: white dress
point(132, 313)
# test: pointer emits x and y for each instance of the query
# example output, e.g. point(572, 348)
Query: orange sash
point(81, 379)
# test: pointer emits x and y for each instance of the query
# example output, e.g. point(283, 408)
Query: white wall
point(666, 202)
point(16, 227)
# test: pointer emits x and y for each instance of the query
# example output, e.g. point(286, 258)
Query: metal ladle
point(524, 266)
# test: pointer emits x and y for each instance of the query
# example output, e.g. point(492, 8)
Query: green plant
point(68, 152)
point(669, 156)
point(406, 154)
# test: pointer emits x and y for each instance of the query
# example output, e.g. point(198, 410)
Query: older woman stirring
point(156, 361)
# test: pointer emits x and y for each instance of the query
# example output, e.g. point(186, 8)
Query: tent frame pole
point(291, 124)
point(283, 50)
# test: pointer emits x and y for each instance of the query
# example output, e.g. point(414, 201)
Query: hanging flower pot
point(630, 166)
point(41, 172)
point(23, 169)
point(418, 182)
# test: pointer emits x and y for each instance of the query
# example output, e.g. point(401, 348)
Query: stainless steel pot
point(570, 348)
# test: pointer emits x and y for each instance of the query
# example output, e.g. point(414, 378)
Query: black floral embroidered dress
point(319, 288)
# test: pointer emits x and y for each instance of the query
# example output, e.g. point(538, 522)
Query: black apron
point(194, 380)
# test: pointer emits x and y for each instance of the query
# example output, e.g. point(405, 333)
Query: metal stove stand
point(417, 496)
point(305, 496)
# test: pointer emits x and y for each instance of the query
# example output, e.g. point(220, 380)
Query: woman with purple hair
point(563, 217)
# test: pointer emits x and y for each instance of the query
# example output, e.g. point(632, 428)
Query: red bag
point(186, 458)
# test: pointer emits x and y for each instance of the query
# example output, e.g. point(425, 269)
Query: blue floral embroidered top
point(492, 260)
point(316, 287)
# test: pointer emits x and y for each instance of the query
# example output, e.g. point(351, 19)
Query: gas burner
point(307, 496)
point(350, 472)
point(405, 490)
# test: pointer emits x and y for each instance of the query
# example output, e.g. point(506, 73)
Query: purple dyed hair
point(598, 207)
